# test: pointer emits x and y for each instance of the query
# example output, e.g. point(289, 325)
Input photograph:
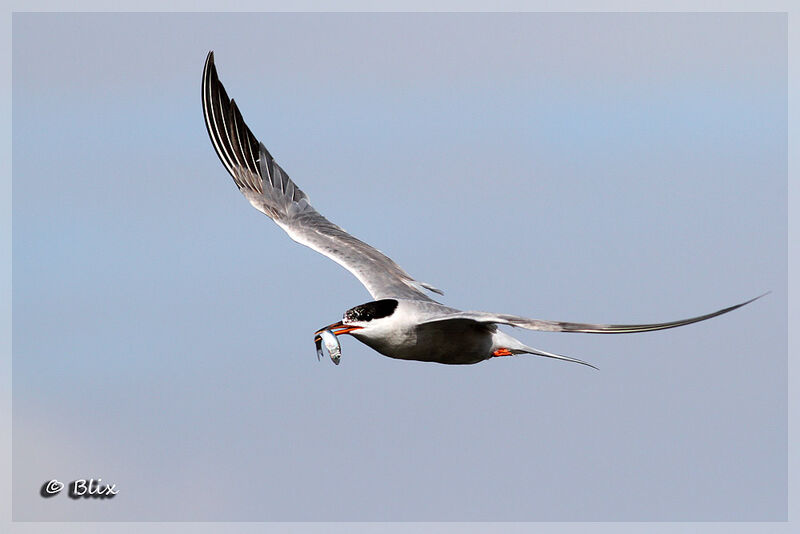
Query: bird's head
point(363, 317)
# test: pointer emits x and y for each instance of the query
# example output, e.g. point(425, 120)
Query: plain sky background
point(586, 167)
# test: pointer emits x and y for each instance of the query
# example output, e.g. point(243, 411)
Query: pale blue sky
point(597, 167)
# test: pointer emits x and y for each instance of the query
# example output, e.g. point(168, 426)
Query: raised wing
point(268, 188)
point(586, 328)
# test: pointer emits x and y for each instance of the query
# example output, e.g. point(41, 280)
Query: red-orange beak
point(337, 328)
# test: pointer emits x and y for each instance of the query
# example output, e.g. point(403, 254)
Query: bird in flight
point(402, 321)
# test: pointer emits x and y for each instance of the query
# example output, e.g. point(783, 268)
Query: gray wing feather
point(270, 190)
point(586, 328)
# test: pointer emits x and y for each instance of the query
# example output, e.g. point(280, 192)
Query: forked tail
point(510, 345)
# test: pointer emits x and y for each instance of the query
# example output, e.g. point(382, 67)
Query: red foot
point(501, 352)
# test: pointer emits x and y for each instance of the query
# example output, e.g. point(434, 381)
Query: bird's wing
point(268, 188)
point(587, 328)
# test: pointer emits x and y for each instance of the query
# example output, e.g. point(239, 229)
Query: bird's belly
point(453, 342)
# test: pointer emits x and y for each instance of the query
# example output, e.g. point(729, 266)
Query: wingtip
point(745, 303)
point(209, 72)
point(209, 65)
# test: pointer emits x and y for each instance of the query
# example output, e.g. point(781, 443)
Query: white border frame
point(784, 6)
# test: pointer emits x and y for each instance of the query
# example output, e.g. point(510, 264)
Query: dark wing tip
point(209, 67)
point(634, 328)
point(737, 306)
point(233, 141)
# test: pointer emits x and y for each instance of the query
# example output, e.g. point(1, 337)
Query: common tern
point(402, 321)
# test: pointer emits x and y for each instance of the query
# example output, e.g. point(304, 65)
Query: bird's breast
point(448, 342)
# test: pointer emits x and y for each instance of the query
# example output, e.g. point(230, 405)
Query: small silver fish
point(318, 345)
point(332, 344)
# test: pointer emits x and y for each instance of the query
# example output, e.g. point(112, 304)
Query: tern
point(402, 321)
